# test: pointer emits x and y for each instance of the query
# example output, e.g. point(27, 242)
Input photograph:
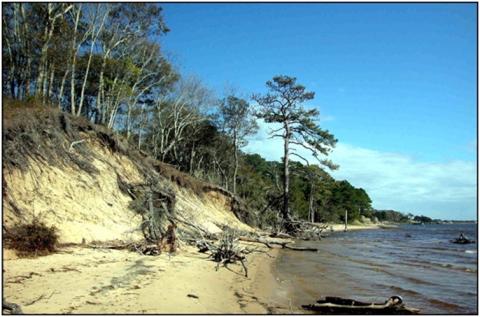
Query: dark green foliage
point(32, 239)
point(423, 219)
point(390, 216)
point(262, 187)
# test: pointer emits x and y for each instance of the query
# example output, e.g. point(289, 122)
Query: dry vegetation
point(44, 133)
point(31, 239)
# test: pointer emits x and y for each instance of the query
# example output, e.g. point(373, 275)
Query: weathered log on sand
point(284, 245)
point(341, 306)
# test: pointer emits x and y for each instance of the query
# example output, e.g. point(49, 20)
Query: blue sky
point(395, 83)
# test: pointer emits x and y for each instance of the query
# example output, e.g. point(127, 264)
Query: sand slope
point(92, 207)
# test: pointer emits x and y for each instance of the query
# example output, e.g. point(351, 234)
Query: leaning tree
point(283, 104)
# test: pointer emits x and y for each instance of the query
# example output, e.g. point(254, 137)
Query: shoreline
point(286, 285)
point(338, 227)
point(95, 281)
point(119, 281)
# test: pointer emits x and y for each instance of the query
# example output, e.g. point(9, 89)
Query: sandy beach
point(82, 280)
point(79, 280)
point(337, 227)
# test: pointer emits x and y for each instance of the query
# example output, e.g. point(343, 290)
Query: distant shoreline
point(337, 227)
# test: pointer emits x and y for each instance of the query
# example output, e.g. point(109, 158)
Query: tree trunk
point(346, 219)
point(310, 203)
point(192, 159)
point(74, 62)
point(85, 79)
point(99, 102)
point(128, 123)
point(235, 168)
point(287, 224)
point(50, 83)
point(62, 87)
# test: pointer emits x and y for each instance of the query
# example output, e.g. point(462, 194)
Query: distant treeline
point(314, 193)
point(399, 217)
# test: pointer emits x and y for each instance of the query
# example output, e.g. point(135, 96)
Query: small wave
point(443, 304)
point(433, 301)
point(433, 265)
point(405, 291)
point(470, 251)
point(416, 280)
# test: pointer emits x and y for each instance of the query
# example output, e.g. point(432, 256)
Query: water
point(416, 262)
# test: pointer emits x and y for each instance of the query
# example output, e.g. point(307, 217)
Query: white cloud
point(396, 181)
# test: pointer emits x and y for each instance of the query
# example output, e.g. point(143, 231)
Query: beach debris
point(462, 239)
point(40, 298)
point(283, 244)
point(168, 242)
point(169, 239)
point(192, 296)
point(227, 250)
point(21, 278)
point(305, 230)
point(281, 235)
point(10, 308)
point(145, 248)
point(341, 306)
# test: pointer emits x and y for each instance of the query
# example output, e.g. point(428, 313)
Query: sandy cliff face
point(91, 206)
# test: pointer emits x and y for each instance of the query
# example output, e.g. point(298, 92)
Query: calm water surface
point(417, 262)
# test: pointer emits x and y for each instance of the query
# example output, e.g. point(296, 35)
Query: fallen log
point(284, 245)
point(281, 235)
point(300, 248)
point(341, 306)
point(204, 233)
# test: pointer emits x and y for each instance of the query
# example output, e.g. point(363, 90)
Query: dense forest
point(105, 62)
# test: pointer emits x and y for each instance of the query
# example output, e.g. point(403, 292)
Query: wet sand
point(82, 280)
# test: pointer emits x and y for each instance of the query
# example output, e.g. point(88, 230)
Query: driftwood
point(225, 251)
point(336, 305)
point(75, 143)
point(304, 230)
point(281, 235)
point(462, 240)
point(146, 249)
point(142, 247)
point(10, 308)
point(203, 234)
point(284, 245)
